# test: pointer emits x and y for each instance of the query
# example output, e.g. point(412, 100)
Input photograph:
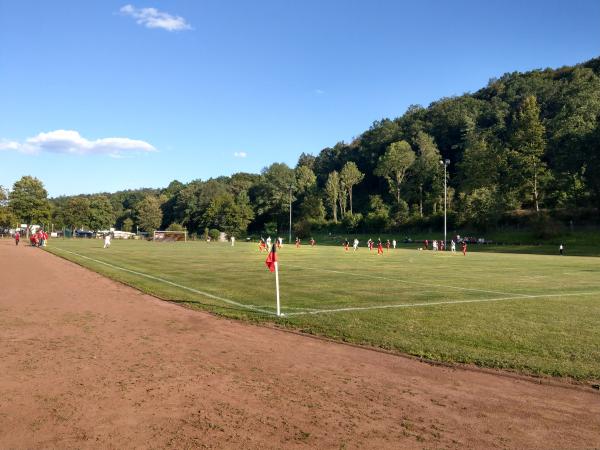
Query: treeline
point(526, 145)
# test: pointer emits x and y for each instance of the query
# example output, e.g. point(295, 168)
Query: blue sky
point(107, 95)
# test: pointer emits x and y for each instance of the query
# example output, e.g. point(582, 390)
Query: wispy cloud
point(319, 91)
point(71, 142)
point(153, 18)
point(240, 154)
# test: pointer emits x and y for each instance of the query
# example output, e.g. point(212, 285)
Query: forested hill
point(527, 144)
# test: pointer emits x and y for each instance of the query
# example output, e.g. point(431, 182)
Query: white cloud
point(71, 142)
point(153, 18)
point(319, 91)
point(240, 154)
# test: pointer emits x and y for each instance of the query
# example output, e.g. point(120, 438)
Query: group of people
point(265, 244)
point(37, 239)
point(441, 245)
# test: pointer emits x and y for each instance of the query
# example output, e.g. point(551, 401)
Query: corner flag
point(271, 263)
point(271, 259)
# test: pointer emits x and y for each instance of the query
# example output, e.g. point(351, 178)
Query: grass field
point(535, 314)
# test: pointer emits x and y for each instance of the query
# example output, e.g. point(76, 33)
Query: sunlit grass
point(546, 323)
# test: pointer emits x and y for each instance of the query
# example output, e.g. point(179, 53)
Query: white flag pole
point(277, 288)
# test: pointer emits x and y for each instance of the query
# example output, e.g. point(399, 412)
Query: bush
point(545, 227)
point(352, 222)
point(213, 233)
point(175, 227)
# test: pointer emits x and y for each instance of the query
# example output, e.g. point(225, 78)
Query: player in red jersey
point(379, 248)
point(464, 248)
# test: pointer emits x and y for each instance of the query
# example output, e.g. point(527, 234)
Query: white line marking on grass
point(162, 280)
point(419, 283)
point(410, 305)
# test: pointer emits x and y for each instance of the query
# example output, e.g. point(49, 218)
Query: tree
point(148, 213)
point(28, 201)
point(101, 215)
point(306, 179)
point(332, 189)
point(528, 145)
point(378, 216)
point(228, 214)
point(426, 166)
point(127, 225)
point(350, 176)
point(7, 218)
point(393, 165)
point(76, 213)
point(312, 208)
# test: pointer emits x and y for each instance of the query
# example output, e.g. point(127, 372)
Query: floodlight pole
point(445, 164)
point(290, 234)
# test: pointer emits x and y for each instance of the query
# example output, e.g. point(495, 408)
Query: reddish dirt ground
point(86, 362)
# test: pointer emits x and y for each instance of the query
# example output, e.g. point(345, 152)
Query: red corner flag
point(271, 259)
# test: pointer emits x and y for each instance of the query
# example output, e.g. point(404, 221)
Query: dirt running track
point(89, 363)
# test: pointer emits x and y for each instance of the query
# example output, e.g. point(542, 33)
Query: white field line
point(419, 283)
point(180, 286)
point(411, 305)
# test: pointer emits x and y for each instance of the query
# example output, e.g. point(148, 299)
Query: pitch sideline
point(409, 305)
point(162, 280)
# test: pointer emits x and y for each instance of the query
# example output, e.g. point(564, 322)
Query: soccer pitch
point(530, 313)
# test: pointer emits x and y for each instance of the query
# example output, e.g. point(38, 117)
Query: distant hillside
point(525, 142)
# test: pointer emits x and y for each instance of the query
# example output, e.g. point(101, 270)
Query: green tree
point(394, 164)
point(312, 208)
point(229, 215)
point(306, 179)
point(528, 145)
point(425, 170)
point(75, 213)
point(7, 218)
point(127, 225)
point(332, 190)
point(28, 201)
point(148, 213)
point(101, 215)
point(378, 217)
point(175, 227)
point(349, 177)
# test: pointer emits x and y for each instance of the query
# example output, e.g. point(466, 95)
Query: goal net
point(170, 236)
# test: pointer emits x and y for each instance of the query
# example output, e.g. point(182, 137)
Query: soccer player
point(312, 242)
point(379, 248)
point(232, 239)
point(426, 243)
point(394, 244)
point(452, 246)
point(17, 238)
point(107, 240)
point(434, 245)
point(388, 244)
point(370, 244)
point(261, 244)
point(355, 246)
point(45, 238)
point(464, 248)
point(297, 242)
point(346, 244)
point(269, 243)
point(561, 249)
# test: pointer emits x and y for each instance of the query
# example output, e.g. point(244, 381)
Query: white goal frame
point(166, 233)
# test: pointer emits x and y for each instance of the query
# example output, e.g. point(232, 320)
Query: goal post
point(170, 236)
